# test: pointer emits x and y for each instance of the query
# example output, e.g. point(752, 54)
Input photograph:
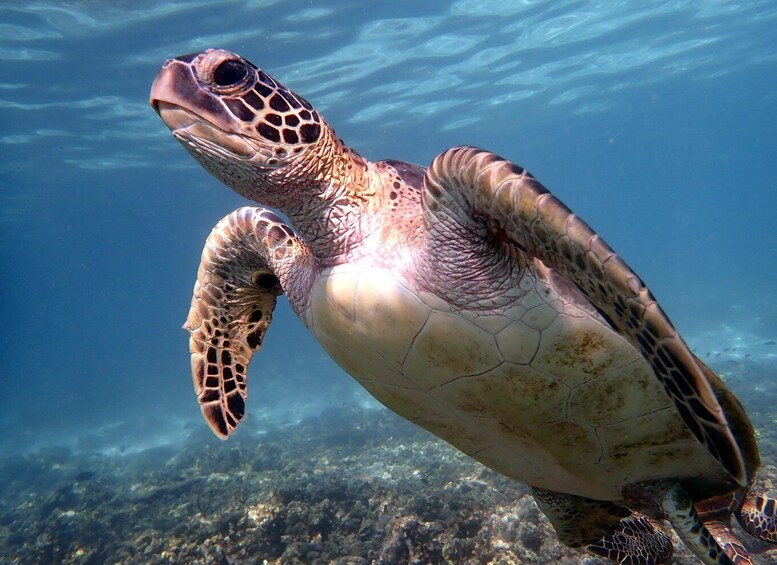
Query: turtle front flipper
point(479, 191)
point(244, 267)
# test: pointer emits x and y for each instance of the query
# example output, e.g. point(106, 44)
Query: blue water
point(654, 121)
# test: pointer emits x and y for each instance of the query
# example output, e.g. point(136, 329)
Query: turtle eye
point(230, 73)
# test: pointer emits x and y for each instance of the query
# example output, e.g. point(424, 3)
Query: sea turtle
point(471, 301)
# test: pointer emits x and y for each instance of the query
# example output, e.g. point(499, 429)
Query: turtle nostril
point(230, 73)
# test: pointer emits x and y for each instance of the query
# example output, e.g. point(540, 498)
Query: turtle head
point(245, 128)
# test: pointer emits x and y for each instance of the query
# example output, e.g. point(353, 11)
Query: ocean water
point(655, 121)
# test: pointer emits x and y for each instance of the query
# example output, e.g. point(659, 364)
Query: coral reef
point(350, 486)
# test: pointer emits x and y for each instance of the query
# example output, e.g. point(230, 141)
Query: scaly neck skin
point(333, 222)
point(330, 204)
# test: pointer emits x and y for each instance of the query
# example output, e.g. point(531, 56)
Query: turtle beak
point(193, 113)
point(181, 101)
point(163, 87)
point(175, 86)
point(172, 93)
point(156, 87)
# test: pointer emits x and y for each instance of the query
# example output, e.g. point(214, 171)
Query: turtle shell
point(540, 389)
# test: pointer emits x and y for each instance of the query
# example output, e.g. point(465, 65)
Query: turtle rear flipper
point(716, 514)
point(636, 542)
point(579, 521)
point(234, 298)
point(605, 528)
point(679, 509)
point(758, 517)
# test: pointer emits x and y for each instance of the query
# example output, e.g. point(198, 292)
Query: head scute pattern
point(253, 97)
